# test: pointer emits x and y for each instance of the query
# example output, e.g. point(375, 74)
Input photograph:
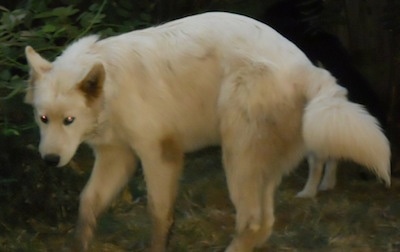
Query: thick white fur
point(338, 119)
point(209, 79)
point(355, 117)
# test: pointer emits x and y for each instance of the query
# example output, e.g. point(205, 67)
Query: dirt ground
point(359, 215)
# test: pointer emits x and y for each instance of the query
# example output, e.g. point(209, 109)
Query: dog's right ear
point(38, 67)
point(37, 64)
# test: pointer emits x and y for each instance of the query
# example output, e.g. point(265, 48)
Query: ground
point(359, 215)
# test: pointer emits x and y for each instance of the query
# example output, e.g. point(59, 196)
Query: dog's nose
point(52, 159)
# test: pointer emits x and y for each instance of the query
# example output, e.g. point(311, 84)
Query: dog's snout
point(52, 159)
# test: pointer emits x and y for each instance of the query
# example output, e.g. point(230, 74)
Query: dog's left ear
point(92, 84)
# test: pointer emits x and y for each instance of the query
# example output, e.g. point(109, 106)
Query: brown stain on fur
point(171, 150)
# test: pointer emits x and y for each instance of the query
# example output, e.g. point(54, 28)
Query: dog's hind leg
point(113, 167)
point(268, 210)
point(245, 185)
point(329, 179)
point(246, 156)
point(315, 169)
point(260, 124)
point(162, 166)
point(251, 187)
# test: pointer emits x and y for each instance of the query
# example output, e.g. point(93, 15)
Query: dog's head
point(67, 99)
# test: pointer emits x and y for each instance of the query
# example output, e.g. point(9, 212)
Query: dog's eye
point(68, 120)
point(44, 119)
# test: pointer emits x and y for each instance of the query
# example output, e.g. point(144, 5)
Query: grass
point(359, 215)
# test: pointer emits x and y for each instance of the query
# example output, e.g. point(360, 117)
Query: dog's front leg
point(162, 166)
point(113, 167)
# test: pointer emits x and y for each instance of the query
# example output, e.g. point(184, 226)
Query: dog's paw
point(327, 185)
point(306, 194)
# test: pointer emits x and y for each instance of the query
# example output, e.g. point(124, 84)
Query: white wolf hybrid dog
point(209, 79)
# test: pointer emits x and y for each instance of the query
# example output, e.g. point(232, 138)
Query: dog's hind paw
point(306, 194)
point(327, 184)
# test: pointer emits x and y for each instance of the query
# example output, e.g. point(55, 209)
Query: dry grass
point(360, 215)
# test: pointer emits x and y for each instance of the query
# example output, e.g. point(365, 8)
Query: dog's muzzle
point(52, 159)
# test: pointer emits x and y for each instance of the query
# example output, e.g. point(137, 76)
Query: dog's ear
point(38, 67)
point(37, 64)
point(92, 84)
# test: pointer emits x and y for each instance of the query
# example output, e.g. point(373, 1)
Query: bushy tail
point(334, 127)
